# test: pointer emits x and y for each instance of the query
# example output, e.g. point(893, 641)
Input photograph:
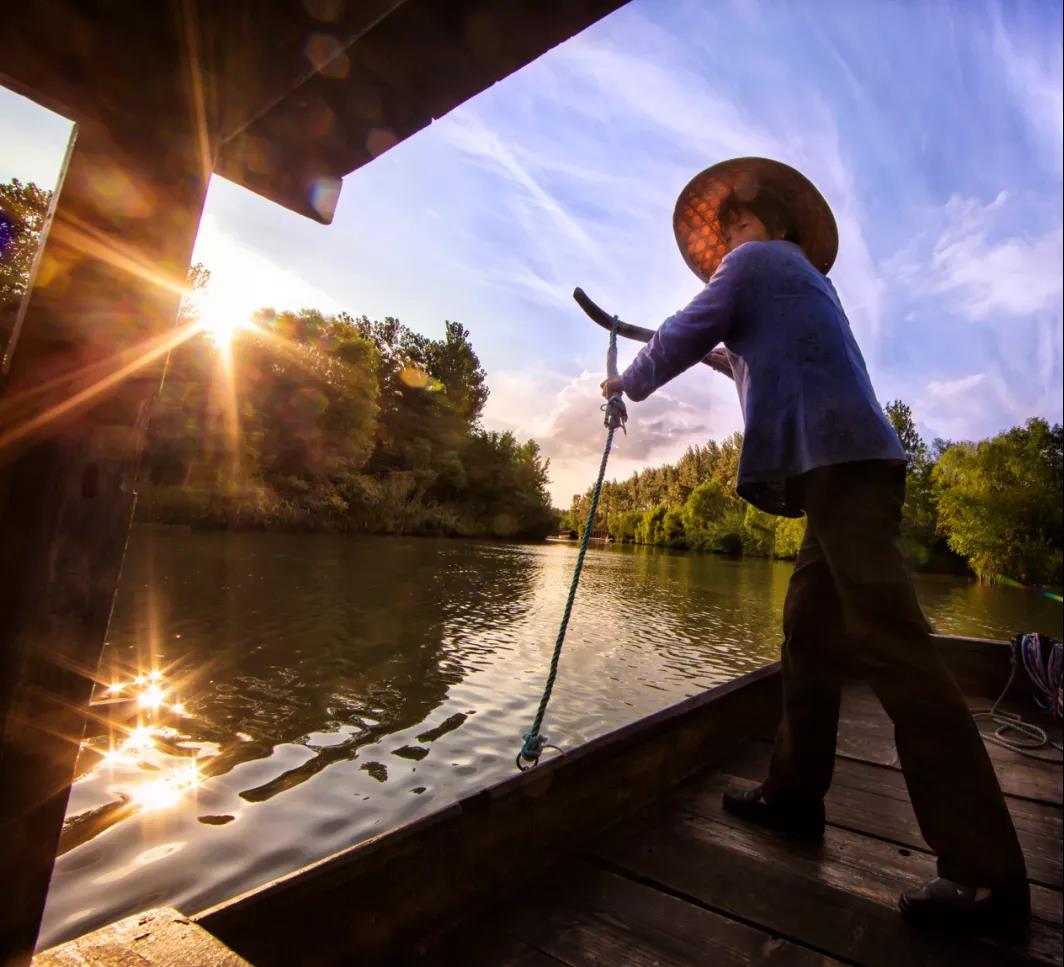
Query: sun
point(218, 318)
point(221, 326)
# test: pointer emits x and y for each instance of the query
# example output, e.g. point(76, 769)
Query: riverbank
point(371, 506)
point(386, 510)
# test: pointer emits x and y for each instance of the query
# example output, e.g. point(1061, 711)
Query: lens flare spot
point(141, 739)
point(414, 377)
point(152, 697)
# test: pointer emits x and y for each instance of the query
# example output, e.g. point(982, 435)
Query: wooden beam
point(73, 411)
point(155, 938)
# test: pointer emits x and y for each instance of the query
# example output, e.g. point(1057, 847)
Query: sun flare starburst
point(218, 317)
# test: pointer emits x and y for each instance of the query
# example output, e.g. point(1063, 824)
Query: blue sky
point(934, 130)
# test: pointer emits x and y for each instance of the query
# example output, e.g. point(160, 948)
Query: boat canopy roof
point(299, 93)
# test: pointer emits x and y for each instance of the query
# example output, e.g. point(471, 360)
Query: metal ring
point(521, 758)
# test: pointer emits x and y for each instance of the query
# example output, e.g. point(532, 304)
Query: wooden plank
point(873, 799)
point(839, 897)
point(371, 900)
point(480, 944)
point(866, 733)
point(704, 799)
point(585, 915)
point(155, 938)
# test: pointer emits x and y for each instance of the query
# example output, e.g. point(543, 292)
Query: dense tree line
point(992, 506)
point(341, 423)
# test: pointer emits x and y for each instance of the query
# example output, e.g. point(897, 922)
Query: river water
point(269, 699)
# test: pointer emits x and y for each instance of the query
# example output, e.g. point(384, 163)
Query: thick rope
point(615, 417)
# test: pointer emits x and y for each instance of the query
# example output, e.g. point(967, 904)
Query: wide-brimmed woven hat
point(696, 220)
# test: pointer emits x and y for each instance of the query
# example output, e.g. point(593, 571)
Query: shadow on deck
point(682, 882)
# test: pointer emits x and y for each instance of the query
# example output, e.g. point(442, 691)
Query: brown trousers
point(851, 611)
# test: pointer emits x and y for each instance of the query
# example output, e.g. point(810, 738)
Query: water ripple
point(331, 688)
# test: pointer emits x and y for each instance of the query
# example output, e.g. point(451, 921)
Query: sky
point(934, 129)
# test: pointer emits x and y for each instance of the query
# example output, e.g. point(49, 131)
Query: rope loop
point(616, 414)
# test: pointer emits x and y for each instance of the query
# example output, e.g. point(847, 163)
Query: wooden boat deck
point(682, 882)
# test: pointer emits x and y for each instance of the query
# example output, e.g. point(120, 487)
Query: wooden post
point(105, 296)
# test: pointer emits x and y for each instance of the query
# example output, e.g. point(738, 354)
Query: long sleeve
point(686, 337)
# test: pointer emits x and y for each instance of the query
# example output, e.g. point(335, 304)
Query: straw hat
point(697, 225)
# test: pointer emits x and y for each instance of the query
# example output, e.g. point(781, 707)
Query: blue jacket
point(803, 386)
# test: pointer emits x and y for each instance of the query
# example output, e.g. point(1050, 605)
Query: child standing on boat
point(817, 443)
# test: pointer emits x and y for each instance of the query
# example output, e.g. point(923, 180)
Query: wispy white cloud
point(944, 389)
point(991, 273)
point(972, 407)
point(1033, 67)
point(466, 131)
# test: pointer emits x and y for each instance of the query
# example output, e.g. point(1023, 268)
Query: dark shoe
point(943, 904)
point(804, 821)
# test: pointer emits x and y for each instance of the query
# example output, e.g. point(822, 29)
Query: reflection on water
point(267, 700)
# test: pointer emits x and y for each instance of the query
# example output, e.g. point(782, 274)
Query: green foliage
point(23, 211)
point(672, 532)
point(691, 504)
point(922, 543)
point(650, 529)
point(704, 511)
point(758, 532)
point(789, 534)
point(623, 525)
point(901, 418)
point(995, 505)
point(999, 503)
point(341, 424)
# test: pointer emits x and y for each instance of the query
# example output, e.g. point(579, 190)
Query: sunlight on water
point(140, 773)
point(169, 789)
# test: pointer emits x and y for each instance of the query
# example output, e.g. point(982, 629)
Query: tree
point(703, 511)
point(199, 277)
point(921, 541)
point(789, 534)
point(901, 418)
point(23, 211)
point(315, 406)
point(453, 362)
point(346, 424)
point(1000, 503)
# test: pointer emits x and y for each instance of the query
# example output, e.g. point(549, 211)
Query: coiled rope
point(616, 416)
point(1012, 731)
